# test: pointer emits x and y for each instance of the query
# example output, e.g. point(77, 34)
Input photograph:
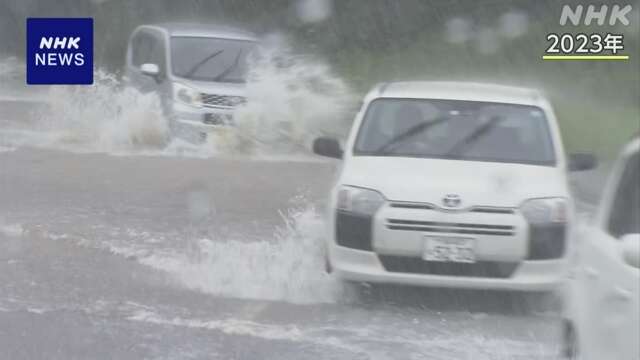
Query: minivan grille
point(222, 100)
point(217, 119)
point(492, 210)
point(450, 228)
point(474, 209)
point(408, 205)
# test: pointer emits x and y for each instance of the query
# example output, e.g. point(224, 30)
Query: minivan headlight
point(359, 200)
point(545, 211)
point(186, 94)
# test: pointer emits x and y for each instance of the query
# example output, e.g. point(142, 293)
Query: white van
point(602, 301)
point(450, 184)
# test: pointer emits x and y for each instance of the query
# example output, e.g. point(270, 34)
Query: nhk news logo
point(60, 51)
point(592, 46)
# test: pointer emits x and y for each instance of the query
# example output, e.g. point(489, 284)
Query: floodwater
point(117, 243)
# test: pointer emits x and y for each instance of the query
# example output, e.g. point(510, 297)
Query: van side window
point(141, 46)
point(148, 48)
point(157, 53)
point(625, 210)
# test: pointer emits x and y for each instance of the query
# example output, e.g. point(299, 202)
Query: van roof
point(204, 30)
point(453, 90)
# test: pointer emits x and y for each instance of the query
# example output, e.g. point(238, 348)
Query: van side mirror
point(582, 161)
point(326, 146)
point(150, 69)
point(630, 244)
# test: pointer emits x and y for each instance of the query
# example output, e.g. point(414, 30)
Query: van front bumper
point(197, 122)
point(203, 117)
point(367, 266)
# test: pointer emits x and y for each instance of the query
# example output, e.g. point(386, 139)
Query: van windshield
point(455, 129)
point(210, 59)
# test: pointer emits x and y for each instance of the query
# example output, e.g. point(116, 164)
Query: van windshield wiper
point(199, 64)
point(412, 131)
point(231, 67)
point(478, 133)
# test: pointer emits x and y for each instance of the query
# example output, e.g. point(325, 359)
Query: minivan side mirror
point(150, 69)
point(630, 244)
point(327, 146)
point(582, 161)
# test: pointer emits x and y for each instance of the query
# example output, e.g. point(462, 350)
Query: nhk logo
point(57, 58)
point(59, 51)
point(618, 14)
point(603, 44)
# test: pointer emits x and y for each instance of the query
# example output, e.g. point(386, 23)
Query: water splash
point(11, 69)
point(105, 117)
point(291, 99)
point(289, 266)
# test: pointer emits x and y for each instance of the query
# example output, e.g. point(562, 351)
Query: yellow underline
point(585, 57)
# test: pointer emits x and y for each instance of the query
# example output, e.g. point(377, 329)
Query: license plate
point(449, 249)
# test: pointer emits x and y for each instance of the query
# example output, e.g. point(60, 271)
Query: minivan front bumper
point(196, 123)
point(201, 117)
point(366, 266)
point(510, 254)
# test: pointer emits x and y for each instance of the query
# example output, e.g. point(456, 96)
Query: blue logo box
point(60, 51)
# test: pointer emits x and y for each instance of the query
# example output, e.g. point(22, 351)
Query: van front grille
point(409, 205)
point(492, 210)
point(474, 209)
point(228, 101)
point(450, 228)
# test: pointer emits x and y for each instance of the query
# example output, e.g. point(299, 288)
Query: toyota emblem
point(451, 200)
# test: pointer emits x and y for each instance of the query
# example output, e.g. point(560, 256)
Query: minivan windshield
point(210, 59)
point(455, 129)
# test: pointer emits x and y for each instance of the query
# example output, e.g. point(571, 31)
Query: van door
point(619, 301)
point(147, 47)
point(612, 286)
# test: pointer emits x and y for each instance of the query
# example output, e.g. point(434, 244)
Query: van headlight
point(186, 95)
point(359, 200)
point(545, 211)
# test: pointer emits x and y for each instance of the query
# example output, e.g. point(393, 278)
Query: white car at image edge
point(451, 184)
point(602, 298)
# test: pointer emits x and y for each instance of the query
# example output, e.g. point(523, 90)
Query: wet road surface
point(117, 257)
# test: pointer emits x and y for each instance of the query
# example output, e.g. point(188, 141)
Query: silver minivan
point(198, 70)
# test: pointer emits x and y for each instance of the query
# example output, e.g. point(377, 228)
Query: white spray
point(291, 99)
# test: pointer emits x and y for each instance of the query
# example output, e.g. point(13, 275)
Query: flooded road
point(121, 240)
point(158, 257)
